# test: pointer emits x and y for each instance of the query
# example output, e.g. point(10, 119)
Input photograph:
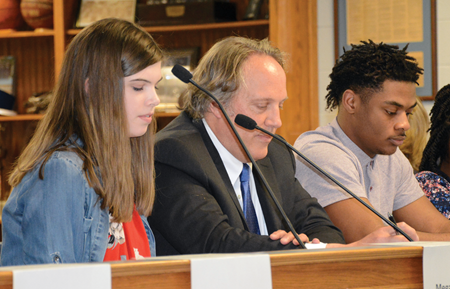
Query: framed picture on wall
point(93, 10)
point(407, 22)
point(7, 85)
point(170, 87)
point(8, 74)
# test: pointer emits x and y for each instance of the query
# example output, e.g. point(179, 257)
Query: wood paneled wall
point(34, 56)
point(205, 39)
point(293, 29)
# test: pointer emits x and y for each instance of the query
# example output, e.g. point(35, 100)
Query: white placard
point(68, 276)
point(231, 271)
point(435, 266)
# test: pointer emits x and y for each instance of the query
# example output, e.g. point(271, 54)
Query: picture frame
point(380, 24)
point(7, 85)
point(170, 87)
point(94, 10)
point(187, 57)
point(8, 74)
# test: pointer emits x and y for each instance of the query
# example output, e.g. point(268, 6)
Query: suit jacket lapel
point(220, 166)
point(272, 216)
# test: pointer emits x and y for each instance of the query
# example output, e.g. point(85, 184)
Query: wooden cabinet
point(39, 57)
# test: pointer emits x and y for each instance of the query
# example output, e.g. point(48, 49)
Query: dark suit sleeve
point(188, 217)
point(312, 220)
point(305, 213)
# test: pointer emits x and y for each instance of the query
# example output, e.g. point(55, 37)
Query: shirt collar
point(231, 163)
point(363, 158)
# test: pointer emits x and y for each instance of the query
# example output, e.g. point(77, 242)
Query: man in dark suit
point(207, 200)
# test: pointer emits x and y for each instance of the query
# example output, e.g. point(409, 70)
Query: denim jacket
point(57, 219)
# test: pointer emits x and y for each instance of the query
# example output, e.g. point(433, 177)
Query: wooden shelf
point(22, 34)
point(174, 28)
point(166, 114)
point(30, 117)
point(21, 117)
point(193, 27)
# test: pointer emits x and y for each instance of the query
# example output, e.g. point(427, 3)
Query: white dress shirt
point(234, 169)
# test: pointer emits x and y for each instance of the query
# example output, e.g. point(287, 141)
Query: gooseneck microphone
point(185, 76)
point(250, 124)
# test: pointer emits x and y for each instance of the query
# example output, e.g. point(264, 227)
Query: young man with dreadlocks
point(434, 177)
point(373, 87)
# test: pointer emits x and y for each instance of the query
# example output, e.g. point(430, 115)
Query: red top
point(127, 241)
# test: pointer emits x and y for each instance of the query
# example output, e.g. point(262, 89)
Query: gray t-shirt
point(387, 181)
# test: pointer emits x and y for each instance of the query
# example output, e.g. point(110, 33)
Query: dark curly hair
point(366, 66)
point(437, 146)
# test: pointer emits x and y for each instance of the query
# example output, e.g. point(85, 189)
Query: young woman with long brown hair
point(85, 183)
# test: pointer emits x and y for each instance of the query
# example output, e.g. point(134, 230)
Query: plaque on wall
point(401, 23)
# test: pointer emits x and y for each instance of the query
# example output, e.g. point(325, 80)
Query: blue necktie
point(249, 209)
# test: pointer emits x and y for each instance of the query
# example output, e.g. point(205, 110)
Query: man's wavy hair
point(220, 72)
point(365, 68)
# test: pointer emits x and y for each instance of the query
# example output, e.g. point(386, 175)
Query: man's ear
point(350, 101)
point(215, 110)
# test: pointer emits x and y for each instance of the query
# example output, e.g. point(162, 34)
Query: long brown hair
point(88, 102)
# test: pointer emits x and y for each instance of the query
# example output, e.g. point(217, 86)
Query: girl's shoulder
point(68, 158)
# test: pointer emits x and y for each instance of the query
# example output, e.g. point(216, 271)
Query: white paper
point(316, 246)
point(68, 276)
point(231, 271)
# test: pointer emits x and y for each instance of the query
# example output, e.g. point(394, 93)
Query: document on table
point(68, 276)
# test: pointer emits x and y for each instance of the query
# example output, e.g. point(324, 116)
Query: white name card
point(231, 271)
point(436, 256)
point(68, 276)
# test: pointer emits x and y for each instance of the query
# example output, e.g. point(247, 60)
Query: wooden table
point(368, 267)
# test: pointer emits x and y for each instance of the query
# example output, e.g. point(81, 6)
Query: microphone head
point(245, 121)
point(182, 73)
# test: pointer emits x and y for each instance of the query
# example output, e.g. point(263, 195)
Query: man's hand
point(286, 238)
point(387, 235)
point(383, 235)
